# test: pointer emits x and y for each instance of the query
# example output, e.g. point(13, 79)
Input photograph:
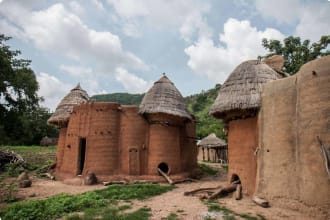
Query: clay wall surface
point(60, 148)
point(102, 152)
point(133, 130)
point(188, 147)
point(294, 112)
point(164, 144)
point(242, 143)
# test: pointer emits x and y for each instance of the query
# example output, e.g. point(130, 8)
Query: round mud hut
point(212, 148)
point(171, 129)
point(61, 116)
point(238, 103)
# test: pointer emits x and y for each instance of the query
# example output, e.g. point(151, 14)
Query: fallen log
point(223, 191)
point(260, 201)
point(200, 190)
point(168, 179)
point(238, 192)
point(120, 182)
point(184, 180)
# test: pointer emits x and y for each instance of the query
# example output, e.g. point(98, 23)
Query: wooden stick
point(260, 201)
point(122, 182)
point(199, 190)
point(238, 192)
point(168, 179)
point(184, 180)
point(223, 191)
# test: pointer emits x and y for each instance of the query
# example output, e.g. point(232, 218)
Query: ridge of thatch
point(212, 141)
point(240, 93)
point(164, 97)
point(62, 113)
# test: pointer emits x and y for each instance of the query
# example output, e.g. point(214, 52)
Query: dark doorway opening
point(235, 178)
point(163, 167)
point(81, 155)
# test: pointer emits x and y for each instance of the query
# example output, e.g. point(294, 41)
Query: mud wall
point(164, 144)
point(188, 147)
point(60, 148)
point(242, 143)
point(132, 141)
point(102, 152)
point(294, 112)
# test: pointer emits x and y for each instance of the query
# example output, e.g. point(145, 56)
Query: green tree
point(22, 120)
point(295, 52)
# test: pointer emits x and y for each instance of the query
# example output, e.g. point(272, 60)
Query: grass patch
point(207, 169)
point(60, 205)
point(225, 167)
point(229, 214)
point(171, 216)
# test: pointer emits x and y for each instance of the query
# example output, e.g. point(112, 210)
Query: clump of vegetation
point(207, 169)
point(171, 216)
point(60, 205)
point(229, 214)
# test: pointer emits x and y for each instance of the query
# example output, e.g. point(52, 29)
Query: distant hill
point(199, 104)
point(122, 98)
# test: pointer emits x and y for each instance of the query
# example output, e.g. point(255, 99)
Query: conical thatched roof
point(164, 97)
point(62, 113)
point(240, 94)
point(212, 141)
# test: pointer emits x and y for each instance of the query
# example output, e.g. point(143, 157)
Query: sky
point(113, 46)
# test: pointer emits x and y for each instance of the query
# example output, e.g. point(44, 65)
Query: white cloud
point(98, 5)
point(131, 82)
point(184, 15)
point(76, 8)
point(58, 30)
point(52, 89)
point(240, 41)
point(311, 18)
point(314, 21)
point(76, 70)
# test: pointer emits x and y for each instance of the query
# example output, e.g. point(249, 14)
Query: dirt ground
point(185, 207)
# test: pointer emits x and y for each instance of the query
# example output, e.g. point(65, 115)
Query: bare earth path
point(185, 207)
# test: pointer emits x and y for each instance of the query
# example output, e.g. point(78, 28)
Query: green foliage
point(22, 120)
point(199, 105)
point(229, 214)
point(122, 98)
point(8, 192)
point(138, 191)
point(59, 205)
point(295, 52)
point(171, 216)
point(207, 169)
point(38, 159)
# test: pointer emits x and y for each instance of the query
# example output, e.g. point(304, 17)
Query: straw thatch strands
point(164, 97)
point(240, 94)
point(212, 141)
point(62, 113)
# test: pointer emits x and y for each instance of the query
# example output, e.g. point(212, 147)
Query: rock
point(25, 183)
point(90, 179)
point(23, 176)
point(33, 195)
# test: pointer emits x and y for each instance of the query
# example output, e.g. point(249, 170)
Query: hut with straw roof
point(113, 140)
point(212, 148)
point(238, 103)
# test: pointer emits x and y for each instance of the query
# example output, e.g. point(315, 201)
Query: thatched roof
point(164, 97)
point(62, 113)
point(240, 94)
point(212, 141)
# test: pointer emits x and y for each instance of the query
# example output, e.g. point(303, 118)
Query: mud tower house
point(113, 140)
point(279, 132)
point(237, 104)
